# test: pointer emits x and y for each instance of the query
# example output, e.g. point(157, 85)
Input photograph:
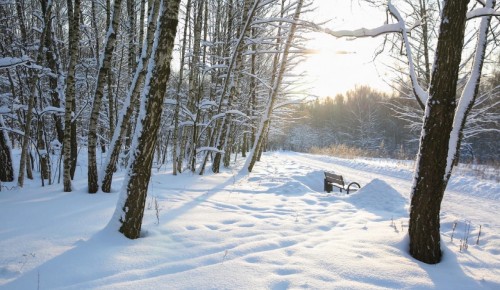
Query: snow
point(485, 11)
point(9, 62)
point(272, 229)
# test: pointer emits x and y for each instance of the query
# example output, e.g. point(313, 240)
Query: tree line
point(74, 74)
point(379, 125)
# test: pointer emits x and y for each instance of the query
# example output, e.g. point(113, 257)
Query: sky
point(341, 64)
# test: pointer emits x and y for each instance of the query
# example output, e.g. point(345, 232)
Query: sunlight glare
point(338, 65)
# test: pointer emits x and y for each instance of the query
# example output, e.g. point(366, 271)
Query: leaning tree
point(130, 207)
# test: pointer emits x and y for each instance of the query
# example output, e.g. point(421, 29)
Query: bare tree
point(130, 208)
point(131, 100)
point(443, 119)
point(104, 68)
point(265, 121)
point(69, 126)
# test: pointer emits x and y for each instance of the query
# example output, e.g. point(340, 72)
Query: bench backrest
point(334, 178)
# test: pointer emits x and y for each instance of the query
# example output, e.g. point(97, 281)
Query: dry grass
point(489, 171)
point(347, 152)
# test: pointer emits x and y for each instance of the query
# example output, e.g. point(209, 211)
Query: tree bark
point(469, 93)
point(178, 92)
point(74, 38)
point(25, 162)
point(53, 62)
point(131, 36)
point(105, 65)
point(6, 170)
point(429, 183)
point(135, 190)
point(123, 124)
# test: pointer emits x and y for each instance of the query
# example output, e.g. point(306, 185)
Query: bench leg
point(327, 186)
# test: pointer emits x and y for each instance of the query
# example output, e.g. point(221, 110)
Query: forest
point(375, 124)
point(193, 85)
point(222, 83)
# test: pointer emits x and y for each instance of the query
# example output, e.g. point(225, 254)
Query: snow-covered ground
point(272, 229)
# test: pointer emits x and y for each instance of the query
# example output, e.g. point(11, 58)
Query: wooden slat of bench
point(334, 178)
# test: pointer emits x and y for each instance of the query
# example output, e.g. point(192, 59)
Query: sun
point(340, 64)
point(337, 66)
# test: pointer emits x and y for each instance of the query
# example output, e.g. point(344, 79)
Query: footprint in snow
point(229, 222)
point(280, 285)
point(286, 272)
point(254, 208)
point(249, 225)
point(324, 228)
point(309, 201)
point(253, 260)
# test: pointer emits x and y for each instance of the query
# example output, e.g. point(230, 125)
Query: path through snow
point(272, 229)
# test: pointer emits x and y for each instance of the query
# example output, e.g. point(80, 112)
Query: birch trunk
point(25, 162)
point(109, 166)
point(74, 38)
point(178, 92)
point(131, 35)
point(105, 64)
point(266, 118)
point(55, 84)
point(6, 170)
point(219, 140)
point(134, 191)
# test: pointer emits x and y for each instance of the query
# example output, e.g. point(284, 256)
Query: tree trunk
point(134, 193)
point(131, 36)
point(178, 92)
point(123, 124)
point(6, 170)
point(105, 65)
point(141, 22)
point(429, 182)
point(73, 141)
point(31, 100)
point(42, 149)
point(26, 139)
point(53, 62)
point(74, 38)
point(264, 126)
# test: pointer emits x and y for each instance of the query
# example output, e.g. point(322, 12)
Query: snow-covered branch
point(363, 32)
point(420, 93)
point(10, 62)
point(398, 27)
point(480, 12)
point(469, 92)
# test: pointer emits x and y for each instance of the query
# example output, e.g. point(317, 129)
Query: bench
point(332, 179)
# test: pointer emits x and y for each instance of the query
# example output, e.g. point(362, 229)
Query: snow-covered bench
point(332, 179)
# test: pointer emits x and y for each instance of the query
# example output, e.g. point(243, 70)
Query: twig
point(479, 234)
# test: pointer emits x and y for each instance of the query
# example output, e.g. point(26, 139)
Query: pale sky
point(341, 64)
